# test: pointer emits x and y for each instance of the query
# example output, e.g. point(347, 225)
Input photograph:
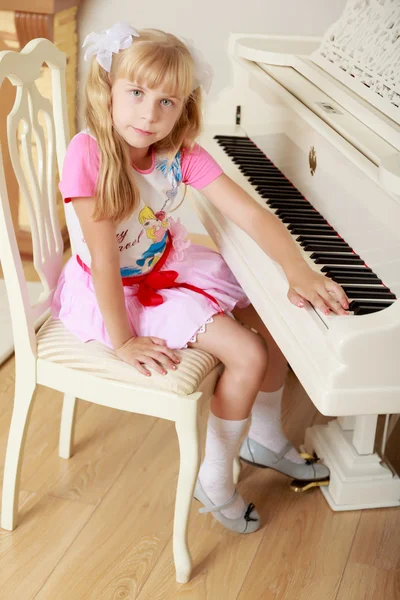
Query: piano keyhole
point(312, 160)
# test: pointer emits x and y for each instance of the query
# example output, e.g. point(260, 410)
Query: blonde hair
point(155, 59)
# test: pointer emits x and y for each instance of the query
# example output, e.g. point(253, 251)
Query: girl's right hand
point(142, 352)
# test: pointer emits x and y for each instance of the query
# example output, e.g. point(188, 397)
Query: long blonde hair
point(154, 59)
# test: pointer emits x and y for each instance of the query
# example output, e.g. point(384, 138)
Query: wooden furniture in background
point(20, 22)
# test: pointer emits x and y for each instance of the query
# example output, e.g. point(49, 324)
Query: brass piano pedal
point(310, 458)
point(297, 485)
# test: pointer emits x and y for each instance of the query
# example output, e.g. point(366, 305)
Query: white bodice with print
point(142, 238)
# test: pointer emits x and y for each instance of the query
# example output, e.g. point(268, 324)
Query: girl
point(136, 284)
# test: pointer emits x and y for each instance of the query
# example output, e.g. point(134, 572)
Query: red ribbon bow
point(156, 280)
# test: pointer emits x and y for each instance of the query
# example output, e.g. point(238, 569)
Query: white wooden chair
point(53, 357)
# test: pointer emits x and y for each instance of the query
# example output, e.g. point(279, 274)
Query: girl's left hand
point(322, 292)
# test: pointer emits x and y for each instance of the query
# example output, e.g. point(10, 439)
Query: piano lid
point(357, 64)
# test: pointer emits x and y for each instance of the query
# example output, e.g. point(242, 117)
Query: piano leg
point(359, 478)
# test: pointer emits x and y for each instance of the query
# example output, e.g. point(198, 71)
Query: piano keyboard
point(323, 248)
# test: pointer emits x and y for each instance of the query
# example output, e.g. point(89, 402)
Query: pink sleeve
point(80, 169)
point(199, 168)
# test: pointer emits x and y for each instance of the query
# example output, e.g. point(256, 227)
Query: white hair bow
point(109, 42)
point(103, 45)
point(203, 71)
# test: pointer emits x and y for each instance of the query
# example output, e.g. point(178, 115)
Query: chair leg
point(23, 403)
point(188, 436)
point(67, 426)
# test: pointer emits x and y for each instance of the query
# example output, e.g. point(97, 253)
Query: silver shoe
point(248, 522)
point(255, 454)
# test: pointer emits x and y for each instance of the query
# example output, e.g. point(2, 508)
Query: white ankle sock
point(266, 426)
point(216, 471)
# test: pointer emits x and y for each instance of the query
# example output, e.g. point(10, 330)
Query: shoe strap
point(214, 508)
point(286, 448)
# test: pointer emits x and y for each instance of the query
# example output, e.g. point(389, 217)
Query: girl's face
point(149, 223)
point(143, 116)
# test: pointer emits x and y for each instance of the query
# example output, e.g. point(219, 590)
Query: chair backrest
point(34, 124)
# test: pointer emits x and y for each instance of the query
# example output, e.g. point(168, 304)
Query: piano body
point(311, 129)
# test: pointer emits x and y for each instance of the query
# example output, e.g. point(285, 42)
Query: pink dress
point(200, 284)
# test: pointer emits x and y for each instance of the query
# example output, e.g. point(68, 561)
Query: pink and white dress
point(172, 287)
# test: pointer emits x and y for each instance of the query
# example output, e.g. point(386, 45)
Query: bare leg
point(244, 355)
point(266, 426)
point(277, 364)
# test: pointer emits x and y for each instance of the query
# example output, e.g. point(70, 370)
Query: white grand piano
point(311, 129)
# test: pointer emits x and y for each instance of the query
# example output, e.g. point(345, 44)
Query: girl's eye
point(136, 93)
point(167, 102)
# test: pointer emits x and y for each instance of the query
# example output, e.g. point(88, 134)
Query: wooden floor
point(98, 526)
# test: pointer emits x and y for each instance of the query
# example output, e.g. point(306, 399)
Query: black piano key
point(358, 274)
point(354, 279)
point(257, 172)
point(325, 248)
point(325, 254)
point(268, 171)
point(273, 181)
point(270, 177)
point(238, 143)
point(267, 167)
point(332, 242)
point(354, 304)
point(235, 138)
point(318, 228)
point(286, 213)
point(287, 204)
point(321, 237)
point(378, 294)
point(251, 161)
point(310, 219)
point(305, 239)
point(229, 147)
point(223, 136)
point(247, 154)
point(357, 287)
point(338, 261)
point(284, 193)
point(281, 186)
point(361, 288)
point(348, 269)
point(297, 211)
point(278, 185)
point(285, 201)
point(309, 230)
point(330, 246)
point(311, 239)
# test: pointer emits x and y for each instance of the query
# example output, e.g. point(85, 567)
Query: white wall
point(208, 23)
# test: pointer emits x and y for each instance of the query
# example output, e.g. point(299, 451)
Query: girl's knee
point(253, 355)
